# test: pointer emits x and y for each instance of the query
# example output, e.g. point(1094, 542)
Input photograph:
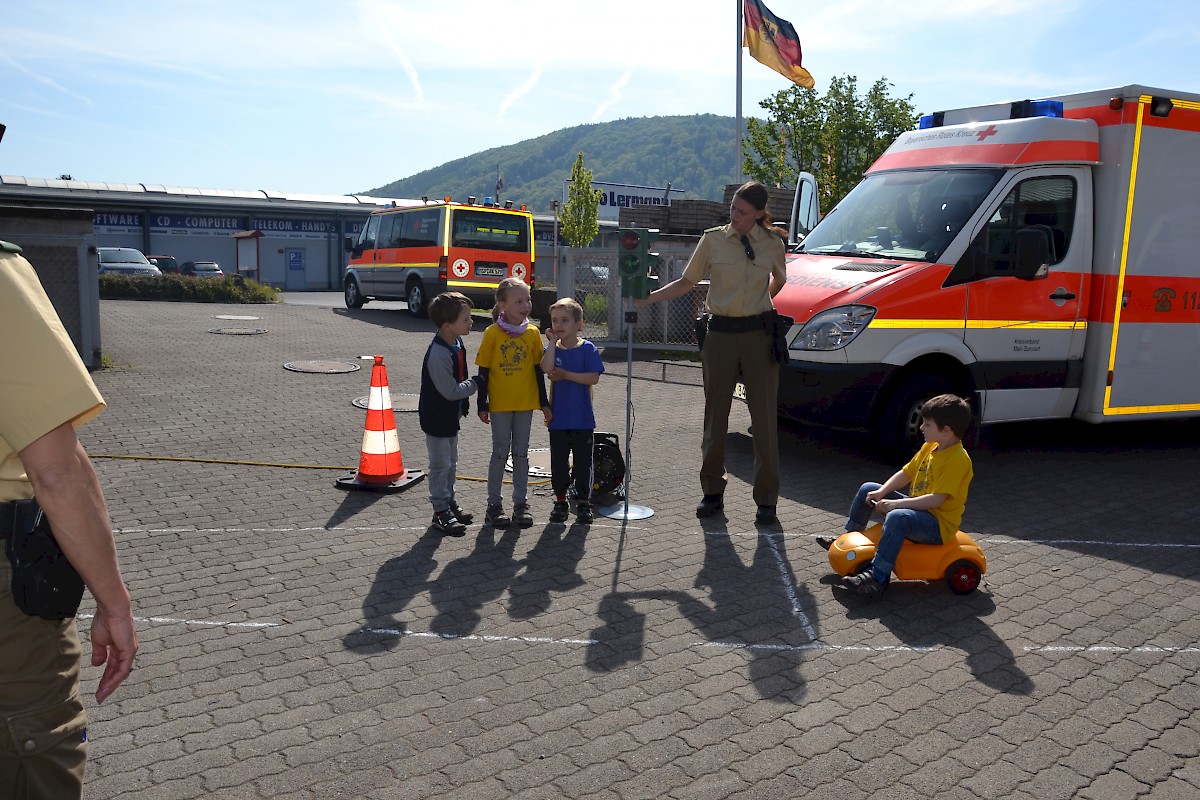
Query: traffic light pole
point(627, 511)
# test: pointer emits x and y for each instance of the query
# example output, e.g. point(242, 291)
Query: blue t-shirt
point(570, 402)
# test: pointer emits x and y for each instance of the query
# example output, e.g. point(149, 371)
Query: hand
point(884, 506)
point(556, 374)
point(547, 414)
point(114, 641)
point(487, 420)
point(551, 336)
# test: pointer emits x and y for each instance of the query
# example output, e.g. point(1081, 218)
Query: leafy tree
point(835, 137)
point(579, 215)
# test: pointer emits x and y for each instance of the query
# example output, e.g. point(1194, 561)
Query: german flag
point(774, 43)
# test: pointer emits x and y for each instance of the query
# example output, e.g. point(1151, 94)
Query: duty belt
point(739, 324)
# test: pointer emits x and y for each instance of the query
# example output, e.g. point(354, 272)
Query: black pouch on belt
point(44, 584)
point(778, 328)
point(700, 327)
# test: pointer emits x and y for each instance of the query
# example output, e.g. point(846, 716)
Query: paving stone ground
point(298, 641)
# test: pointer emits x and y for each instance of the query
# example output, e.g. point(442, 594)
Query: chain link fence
point(590, 276)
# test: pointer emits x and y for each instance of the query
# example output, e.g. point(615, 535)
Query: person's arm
point(892, 484)
point(441, 372)
point(777, 285)
point(482, 380)
point(672, 291)
point(66, 487)
point(586, 378)
point(551, 352)
point(925, 502)
point(543, 397)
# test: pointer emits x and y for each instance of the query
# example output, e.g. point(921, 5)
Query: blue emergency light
point(1022, 109)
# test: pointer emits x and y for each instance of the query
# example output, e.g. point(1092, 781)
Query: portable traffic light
point(635, 262)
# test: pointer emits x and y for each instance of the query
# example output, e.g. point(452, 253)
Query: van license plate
point(739, 391)
point(490, 272)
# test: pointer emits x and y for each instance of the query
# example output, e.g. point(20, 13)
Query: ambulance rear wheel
point(354, 298)
point(899, 428)
point(414, 295)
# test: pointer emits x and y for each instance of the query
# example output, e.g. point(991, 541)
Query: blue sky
point(319, 97)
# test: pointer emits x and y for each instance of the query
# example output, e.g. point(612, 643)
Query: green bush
point(229, 289)
point(595, 308)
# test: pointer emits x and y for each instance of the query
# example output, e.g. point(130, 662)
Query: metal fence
point(590, 276)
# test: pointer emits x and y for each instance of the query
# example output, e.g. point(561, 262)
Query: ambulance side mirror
point(1034, 248)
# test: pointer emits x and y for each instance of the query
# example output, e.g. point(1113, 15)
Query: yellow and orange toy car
point(962, 564)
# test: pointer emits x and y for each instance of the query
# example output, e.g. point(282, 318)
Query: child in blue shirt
point(573, 366)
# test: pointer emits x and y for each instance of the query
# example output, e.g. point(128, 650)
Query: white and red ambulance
point(1040, 257)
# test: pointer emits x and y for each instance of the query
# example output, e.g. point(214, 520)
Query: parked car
point(201, 269)
point(124, 261)
point(167, 265)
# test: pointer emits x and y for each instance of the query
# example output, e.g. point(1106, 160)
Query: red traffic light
point(630, 240)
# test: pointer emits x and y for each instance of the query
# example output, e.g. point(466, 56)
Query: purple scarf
point(510, 329)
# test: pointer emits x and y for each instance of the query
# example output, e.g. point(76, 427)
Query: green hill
point(694, 153)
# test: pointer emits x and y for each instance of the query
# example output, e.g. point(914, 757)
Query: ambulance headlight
point(833, 329)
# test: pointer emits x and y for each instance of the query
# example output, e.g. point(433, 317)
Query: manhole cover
point(238, 331)
point(233, 316)
point(400, 402)
point(324, 367)
point(539, 462)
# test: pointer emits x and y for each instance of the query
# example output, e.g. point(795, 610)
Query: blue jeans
point(510, 432)
point(898, 525)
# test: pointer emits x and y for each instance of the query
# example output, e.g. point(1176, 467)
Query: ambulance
point(1040, 257)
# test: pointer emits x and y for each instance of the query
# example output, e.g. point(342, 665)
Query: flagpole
point(738, 170)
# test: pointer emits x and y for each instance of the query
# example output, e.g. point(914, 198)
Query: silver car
point(124, 261)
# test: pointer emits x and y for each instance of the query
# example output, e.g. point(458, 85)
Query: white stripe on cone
point(380, 443)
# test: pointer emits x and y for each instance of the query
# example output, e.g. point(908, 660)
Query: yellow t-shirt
point(738, 287)
point(948, 472)
point(43, 383)
point(510, 361)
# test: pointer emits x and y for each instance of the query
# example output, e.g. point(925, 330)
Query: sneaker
point(863, 583)
point(447, 523)
point(583, 513)
point(521, 515)
point(460, 515)
point(826, 542)
point(710, 505)
point(560, 512)
point(496, 516)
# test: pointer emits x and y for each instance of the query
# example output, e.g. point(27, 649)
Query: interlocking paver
point(302, 642)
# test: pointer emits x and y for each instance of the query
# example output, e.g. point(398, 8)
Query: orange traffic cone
point(380, 466)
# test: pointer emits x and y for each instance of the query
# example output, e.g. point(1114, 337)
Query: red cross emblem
point(990, 130)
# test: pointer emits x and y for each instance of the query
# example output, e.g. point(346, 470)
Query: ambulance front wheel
point(354, 298)
point(898, 430)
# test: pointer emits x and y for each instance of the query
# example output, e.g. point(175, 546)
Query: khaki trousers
point(43, 744)
point(725, 356)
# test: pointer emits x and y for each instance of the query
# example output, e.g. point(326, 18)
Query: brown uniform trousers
point(43, 745)
point(724, 356)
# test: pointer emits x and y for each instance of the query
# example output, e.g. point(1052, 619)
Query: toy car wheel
point(963, 576)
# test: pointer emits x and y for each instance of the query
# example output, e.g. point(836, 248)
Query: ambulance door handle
point(1062, 294)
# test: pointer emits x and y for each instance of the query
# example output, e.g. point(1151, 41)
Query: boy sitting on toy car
point(940, 474)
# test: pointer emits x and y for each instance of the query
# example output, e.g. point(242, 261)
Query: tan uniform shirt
point(738, 286)
point(43, 383)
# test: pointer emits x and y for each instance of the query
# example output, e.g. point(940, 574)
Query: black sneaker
point(863, 583)
point(711, 504)
point(460, 515)
point(560, 512)
point(447, 523)
point(825, 542)
point(496, 516)
point(521, 515)
point(583, 513)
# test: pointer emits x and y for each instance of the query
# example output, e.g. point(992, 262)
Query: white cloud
point(522, 90)
point(614, 94)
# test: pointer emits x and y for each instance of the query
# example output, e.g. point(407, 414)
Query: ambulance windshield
point(910, 216)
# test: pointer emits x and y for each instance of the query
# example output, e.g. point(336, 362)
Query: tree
point(580, 214)
point(835, 137)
